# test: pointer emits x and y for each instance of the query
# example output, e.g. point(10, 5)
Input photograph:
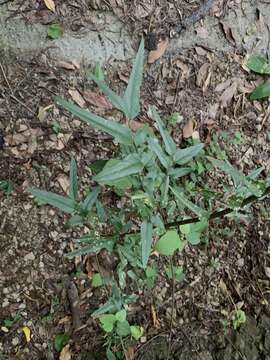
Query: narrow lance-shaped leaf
point(182, 156)
point(187, 203)
point(146, 241)
point(132, 93)
point(169, 144)
point(225, 166)
point(120, 132)
point(90, 200)
point(73, 181)
point(129, 166)
point(115, 99)
point(157, 149)
point(61, 202)
point(261, 91)
point(179, 172)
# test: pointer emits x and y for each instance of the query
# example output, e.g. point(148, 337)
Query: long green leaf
point(182, 156)
point(65, 204)
point(115, 99)
point(261, 91)
point(179, 172)
point(129, 166)
point(187, 203)
point(120, 132)
point(225, 166)
point(73, 181)
point(94, 247)
point(169, 144)
point(132, 93)
point(90, 200)
point(146, 240)
point(157, 149)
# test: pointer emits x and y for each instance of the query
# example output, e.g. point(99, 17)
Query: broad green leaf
point(178, 273)
point(182, 156)
point(168, 243)
point(55, 31)
point(132, 93)
point(120, 132)
point(107, 307)
point(61, 202)
point(121, 184)
point(60, 341)
point(193, 238)
point(129, 166)
point(261, 91)
point(157, 149)
point(176, 173)
point(258, 64)
point(90, 199)
point(187, 203)
point(146, 241)
point(110, 355)
point(121, 315)
point(107, 322)
point(164, 192)
point(169, 144)
point(73, 181)
point(75, 220)
point(136, 331)
point(97, 280)
point(123, 328)
point(98, 165)
point(115, 99)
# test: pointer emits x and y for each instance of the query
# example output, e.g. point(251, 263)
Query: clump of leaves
point(259, 64)
point(168, 206)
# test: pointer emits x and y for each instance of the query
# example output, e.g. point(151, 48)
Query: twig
point(5, 77)
point(21, 103)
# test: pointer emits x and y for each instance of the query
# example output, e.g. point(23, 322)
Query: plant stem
point(172, 308)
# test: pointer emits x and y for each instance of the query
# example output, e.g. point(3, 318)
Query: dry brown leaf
point(129, 353)
point(212, 111)
point(211, 125)
point(202, 74)
point(184, 68)
point(200, 50)
point(135, 125)
point(227, 96)
point(63, 182)
point(228, 33)
point(50, 5)
point(154, 317)
point(154, 55)
point(65, 353)
point(97, 100)
point(66, 65)
point(77, 97)
point(222, 86)
point(188, 129)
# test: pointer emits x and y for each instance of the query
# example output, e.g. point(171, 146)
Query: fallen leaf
point(212, 111)
point(135, 125)
point(228, 33)
point(42, 112)
point(129, 353)
point(97, 100)
point(154, 317)
point(211, 125)
point(154, 55)
point(66, 65)
point(63, 182)
point(227, 96)
point(222, 86)
point(188, 129)
point(50, 5)
point(267, 271)
point(202, 74)
point(200, 50)
point(65, 353)
point(76, 96)
point(27, 333)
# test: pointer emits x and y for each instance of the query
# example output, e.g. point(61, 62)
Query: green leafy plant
point(168, 204)
point(259, 64)
point(55, 31)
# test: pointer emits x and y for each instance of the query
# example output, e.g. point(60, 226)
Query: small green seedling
point(55, 31)
point(259, 64)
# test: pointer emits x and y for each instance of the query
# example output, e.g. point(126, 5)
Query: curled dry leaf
point(228, 33)
point(154, 55)
point(76, 96)
point(188, 129)
point(202, 74)
point(97, 100)
point(66, 65)
point(50, 5)
point(65, 353)
point(227, 96)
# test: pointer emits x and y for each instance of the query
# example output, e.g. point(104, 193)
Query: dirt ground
point(37, 140)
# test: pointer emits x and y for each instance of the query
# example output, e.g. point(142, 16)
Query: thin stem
point(172, 307)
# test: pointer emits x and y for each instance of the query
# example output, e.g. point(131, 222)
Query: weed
point(168, 204)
